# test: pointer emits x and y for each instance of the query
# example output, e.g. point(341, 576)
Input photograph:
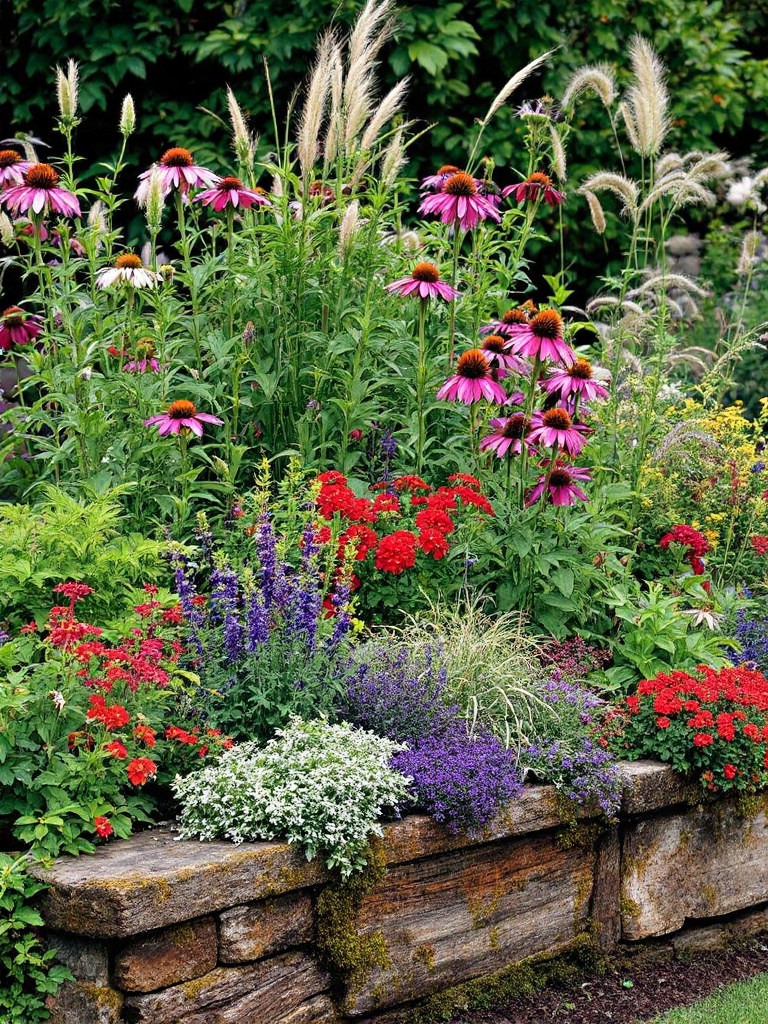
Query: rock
point(151, 881)
point(88, 961)
point(703, 863)
point(270, 926)
point(84, 1003)
point(167, 957)
point(606, 916)
point(287, 989)
point(471, 913)
point(650, 785)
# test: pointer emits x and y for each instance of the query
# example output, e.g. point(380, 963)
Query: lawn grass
point(743, 1003)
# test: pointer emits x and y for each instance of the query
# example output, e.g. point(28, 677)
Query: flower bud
point(127, 116)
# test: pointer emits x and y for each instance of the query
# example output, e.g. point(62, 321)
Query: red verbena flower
point(759, 544)
point(116, 749)
point(433, 542)
point(102, 826)
point(396, 552)
point(141, 770)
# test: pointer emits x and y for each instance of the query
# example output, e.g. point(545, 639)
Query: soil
point(636, 988)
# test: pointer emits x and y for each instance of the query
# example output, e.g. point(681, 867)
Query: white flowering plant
point(322, 786)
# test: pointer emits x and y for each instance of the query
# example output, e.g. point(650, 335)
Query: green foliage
point(28, 972)
point(62, 538)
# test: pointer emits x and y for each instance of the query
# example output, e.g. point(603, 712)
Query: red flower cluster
point(697, 545)
point(422, 517)
point(713, 721)
point(759, 544)
point(141, 770)
point(113, 716)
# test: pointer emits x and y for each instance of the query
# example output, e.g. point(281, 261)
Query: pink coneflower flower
point(38, 193)
point(182, 416)
point(512, 318)
point(12, 167)
point(230, 192)
point(510, 435)
point(536, 186)
point(459, 200)
point(562, 485)
point(435, 182)
point(128, 269)
point(555, 427)
point(425, 281)
point(17, 327)
point(145, 358)
point(472, 381)
point(576, 380)
point(177, 169)
point(542, 339)
point(494, 348)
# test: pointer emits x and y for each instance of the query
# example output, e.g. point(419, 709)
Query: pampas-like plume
point(622, 187)
point(67, 91)
point(372, 29)
point(629, 126)
point(7, 235)
point(387, 109)
point(597, 78)
point(596, 210)
point(243, 143)
point(127, 116)
point(517, 79)
point(392, 160)
point(336, 116)
point(314, 105)
point(662, 282)
point(749, 249)
point(683, 190)
point(350, 225)
point(559, 164)
point(648, 99)
point(610, 300)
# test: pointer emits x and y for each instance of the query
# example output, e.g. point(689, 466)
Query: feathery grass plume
point(749, 250)
point(372, 29)
point(315, 104)
point(611, 301)
point(683, 190)
point(668, 163)
point(659, 283)
point(6, 229)
point(392, 160)
point(277, 186)
point(67, 92)
point(596, 210)
point(706, 166)
point(127, 116)
point(516, 80)
point(97, 218)
point(688, 357)
point(618, 184)
point(336, 115)
point(559, 164)
point(648, 99)
point(350, 225)
point(151, 200)
point(243, 143)
point(386, 110)
point(597, 78)
point(678, 436)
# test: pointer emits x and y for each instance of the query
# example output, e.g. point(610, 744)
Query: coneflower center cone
point(581, 369)
point(540, 179)
point(473, 365)
point(128, 260)
point(547, 324)
point(460, 184)
point(227, 183)
point(515, 316)
point(9, 157)
point(448, 169)
point(41, 176)
point(181, 410)
point(517, 427)
point(13, 316)
point(560, 478)
point(425, 272)
point(557, 419)
point(494, 343)
point(177, 157)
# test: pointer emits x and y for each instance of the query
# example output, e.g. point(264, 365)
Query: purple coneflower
point(536, 186)
point(555, 427)
point(542, 338)
point(494, 348)
point(145, 358)
point(38, 193)
point(230, 192)
point(182, 415)
point(512, 318)
point(12, 167)
point(435, 182)
point(577, 380)
point(177, 169)
point(128, 269)
point(459, 200)
point(472, 381)
point(17, 327)
point(425, 281)
point(562, 484)
point(510, 435)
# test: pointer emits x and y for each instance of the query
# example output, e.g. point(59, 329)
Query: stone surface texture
point(158, 931)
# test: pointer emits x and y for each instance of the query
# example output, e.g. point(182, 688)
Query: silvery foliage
point(319, 785)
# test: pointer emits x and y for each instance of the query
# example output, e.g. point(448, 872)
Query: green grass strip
point(743, 1003)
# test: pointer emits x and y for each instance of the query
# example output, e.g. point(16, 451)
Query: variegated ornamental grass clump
point(324, 787)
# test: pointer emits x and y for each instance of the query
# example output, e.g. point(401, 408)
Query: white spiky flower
point(127, 116)
point(648, 99)
point(243, 143)
point(349, 228)
point(67, 91)
point(315, 104)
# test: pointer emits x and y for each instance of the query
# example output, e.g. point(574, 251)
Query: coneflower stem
point(421, 373)
point(454, 276)
point(187, 263)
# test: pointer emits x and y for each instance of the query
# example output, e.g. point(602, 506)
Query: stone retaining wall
point(158, 931)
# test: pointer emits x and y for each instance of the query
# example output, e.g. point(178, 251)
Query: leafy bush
point(322, 786)
point(713, 724)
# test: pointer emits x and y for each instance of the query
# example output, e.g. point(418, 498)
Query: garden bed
point(156, 930)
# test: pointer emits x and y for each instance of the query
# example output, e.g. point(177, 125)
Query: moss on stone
point(575, 834)
point(425, 955)
point(628, 907)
